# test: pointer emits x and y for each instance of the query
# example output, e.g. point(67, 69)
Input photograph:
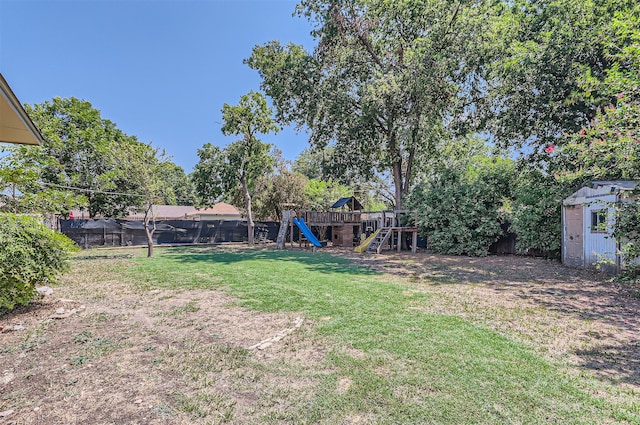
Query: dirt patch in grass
point(582, 317)
point(161, 357)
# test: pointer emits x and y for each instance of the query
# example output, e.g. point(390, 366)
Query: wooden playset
point(348, 226)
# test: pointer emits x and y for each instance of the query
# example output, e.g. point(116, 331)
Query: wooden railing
point(331, 218)
point(319, 218)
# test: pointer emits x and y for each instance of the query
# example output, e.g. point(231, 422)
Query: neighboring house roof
point(221, 208)
point(599, 188)
point(165, 212)
point(177, 212)
point(15, 125)
point(347, 201)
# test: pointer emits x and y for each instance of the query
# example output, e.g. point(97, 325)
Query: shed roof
point(618, 184)
point(15, 125)
point(600, 188)
point(347, 201)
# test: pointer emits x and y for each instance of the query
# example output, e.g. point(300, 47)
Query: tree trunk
point(397, 183)
point(148, 217)
point(399, 192)
point(149, 243)
point(247, 201)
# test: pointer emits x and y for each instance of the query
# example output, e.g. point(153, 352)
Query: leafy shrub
point(627, 232)
point(30, 254)
point(536, 216)
point(460, 210)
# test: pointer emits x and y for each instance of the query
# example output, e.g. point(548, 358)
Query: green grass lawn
point(404, 366)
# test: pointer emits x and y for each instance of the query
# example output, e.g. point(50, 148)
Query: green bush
point(461, 210)
point(536, 213)
point(627, 231)
point(30, 254)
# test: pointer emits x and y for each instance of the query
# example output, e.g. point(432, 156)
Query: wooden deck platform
point(387, 236)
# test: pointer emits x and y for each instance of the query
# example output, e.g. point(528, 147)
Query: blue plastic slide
point(307, 232)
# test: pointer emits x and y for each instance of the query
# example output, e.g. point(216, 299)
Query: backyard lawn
point(227, 334)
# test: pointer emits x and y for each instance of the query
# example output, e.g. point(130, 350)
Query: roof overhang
point(15, 125)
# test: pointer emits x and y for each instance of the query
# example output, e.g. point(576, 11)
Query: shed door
point(573, 236)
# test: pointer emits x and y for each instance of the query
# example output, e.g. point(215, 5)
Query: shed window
point(599, 221)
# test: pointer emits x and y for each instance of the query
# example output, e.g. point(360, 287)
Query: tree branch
point(411, 159)
point(381, 125)
point(449, 28)
point(342, 22)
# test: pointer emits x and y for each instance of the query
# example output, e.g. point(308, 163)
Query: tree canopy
point(81, 147)
point(608, 146)
point(85, 162)
point(23, 189)
point(549, 61)
point(385, 81)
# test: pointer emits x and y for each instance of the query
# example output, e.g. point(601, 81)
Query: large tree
point(550, 58)
point(384, 82)
point(81, 150)
point(239, 165)
point(87, 155)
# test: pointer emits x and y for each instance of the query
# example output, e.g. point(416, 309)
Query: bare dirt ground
point(182, 357)
point(162, 357)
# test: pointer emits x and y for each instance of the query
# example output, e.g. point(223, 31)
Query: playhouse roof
point(355, 205)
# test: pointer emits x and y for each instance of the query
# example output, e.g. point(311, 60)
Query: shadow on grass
point(615, 362)
point(101, 257)
point(313, 261)
point(585, 295)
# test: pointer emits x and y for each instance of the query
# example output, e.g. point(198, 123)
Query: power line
point(102, 192)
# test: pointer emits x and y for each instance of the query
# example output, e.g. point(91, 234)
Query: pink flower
point(620, 95)
point(550, 148)
point(581, 132)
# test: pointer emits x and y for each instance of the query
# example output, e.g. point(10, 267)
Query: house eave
point(15, 125)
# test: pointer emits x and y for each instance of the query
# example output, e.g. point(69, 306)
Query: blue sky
point(160, 70)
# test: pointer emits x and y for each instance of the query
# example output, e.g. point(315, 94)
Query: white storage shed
point(587, 225)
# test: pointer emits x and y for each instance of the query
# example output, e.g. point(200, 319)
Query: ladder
point(379, 241)
point(286, 218)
